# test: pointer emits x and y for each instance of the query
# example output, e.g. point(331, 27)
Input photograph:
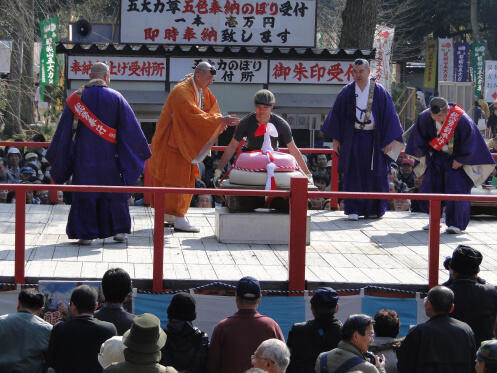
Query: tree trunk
point(359, 23)
point(27, 84)
point(474, 20)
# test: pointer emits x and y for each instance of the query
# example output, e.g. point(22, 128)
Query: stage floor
point(391, 250)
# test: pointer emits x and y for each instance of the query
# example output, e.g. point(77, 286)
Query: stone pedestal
point(261, 226)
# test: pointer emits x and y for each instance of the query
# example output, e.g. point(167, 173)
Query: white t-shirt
point(361, 103)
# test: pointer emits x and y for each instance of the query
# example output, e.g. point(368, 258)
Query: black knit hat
point(182, 307)
point(465, 260)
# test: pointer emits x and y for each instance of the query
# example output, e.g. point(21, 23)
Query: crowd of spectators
point(455, 337)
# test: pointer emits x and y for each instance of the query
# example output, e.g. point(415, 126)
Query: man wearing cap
point(5, 176)
point(189, 122)
point(264, 101)
point(475, 301)
point(406, 175)
point(13, 160)
point(486, 357)
point(142, 347)
point(452, 156)
point(235, 338)
point(367, 137)
point(307, 340)
point(441, 344)
point(98, 141)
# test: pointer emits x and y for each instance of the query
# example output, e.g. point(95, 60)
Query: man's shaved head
point(99, 68)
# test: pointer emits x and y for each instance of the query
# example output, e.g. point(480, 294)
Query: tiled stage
point(391, 250)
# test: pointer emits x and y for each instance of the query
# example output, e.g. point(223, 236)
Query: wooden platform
point(391, 250)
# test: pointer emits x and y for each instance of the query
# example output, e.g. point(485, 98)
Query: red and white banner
point(491, 81)
point(380, 66)
point(229, 70)
point(273, 23)
point(310, 72)
point(445, 60)
point(121, 68)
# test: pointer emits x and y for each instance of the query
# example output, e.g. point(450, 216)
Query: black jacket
point(186, 347)
point(116, 315)
point(306, 340)
point(475, 303)
point(440, 345)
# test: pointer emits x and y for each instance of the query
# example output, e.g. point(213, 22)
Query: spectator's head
point(486, 357)
point(3, 195)
point(60, 197)
point(320, 181)
point(44, 197)
point(100, 70)
point(324, 302)
point(255, 370)
point(116, 285)
point(13, 157)
point(386, 323)
point(360, 72)
point(30, 300)
point(204, 201)
point(439, 301)
point(358, 330)
point(182, 307)
point(322, 161)
point(3, 167)
point(145, 335)
point(272, 355)
point(32, 157)
point(465, 261)
point(439, 109)
point(111, 351)
point(83, 300)
point(406, 167)
point(401, 204)
point(248, 293)
point(204, 74)
point(26, 173)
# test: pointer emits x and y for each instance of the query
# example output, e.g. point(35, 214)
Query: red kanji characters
point(122, 67)
point(75, 67)
point(334, 71)
point(85, 68)
point(232, 8)
point(189, 34)
point(215, 8)
point(112, 68)
point(300, 72)
point(171, 33)
point(202, 7)
point(134, 68)
point(158, 68)
point(151, 33)
point(188, 7)
point(146, 68)
point(317, 72)
point(209, 34)
point(280, 70)
point(348, 73)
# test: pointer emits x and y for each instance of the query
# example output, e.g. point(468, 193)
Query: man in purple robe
point(459, 163)
point(366, 137)
point(77, 150)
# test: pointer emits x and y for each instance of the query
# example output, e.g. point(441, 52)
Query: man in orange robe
point(188, 120)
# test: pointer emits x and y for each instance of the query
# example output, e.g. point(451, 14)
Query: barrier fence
point(298, 196)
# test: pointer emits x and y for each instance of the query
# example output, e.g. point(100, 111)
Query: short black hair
point(386, 323)
point(31, 299)
point(116, 285)
point(356, 323)
point(441, 299)
point(84, 298)
point(322, 178)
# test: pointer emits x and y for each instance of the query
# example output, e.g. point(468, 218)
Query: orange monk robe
point(182, 130)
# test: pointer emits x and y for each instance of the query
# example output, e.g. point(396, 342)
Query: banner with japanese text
point(461, 62)
point(445, 60)
point(229, 70)
point(478, 66)
point(430, 64)
point(310, 72)
point(491, 81)
point(121, 68)
point(380, 66)
point(48, 63)
point(219, 22)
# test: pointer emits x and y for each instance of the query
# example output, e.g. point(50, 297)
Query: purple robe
point(469, 149)
point(358, 147)
point(92, 160)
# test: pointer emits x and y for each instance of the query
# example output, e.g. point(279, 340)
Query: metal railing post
point(334, 179)
point(298, 231)
point(20, 242)
point(146, 182)
point(158, 269)
point(434, 243)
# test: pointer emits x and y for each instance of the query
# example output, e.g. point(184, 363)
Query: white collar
point(197, 92)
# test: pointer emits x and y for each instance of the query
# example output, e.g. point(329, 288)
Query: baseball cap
point(325, 298)
point(408, 161)
point(27, 170)
point(31, 155)
point(13, 150)
point(465, 260)
point(248, 288)
point(264, 97)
